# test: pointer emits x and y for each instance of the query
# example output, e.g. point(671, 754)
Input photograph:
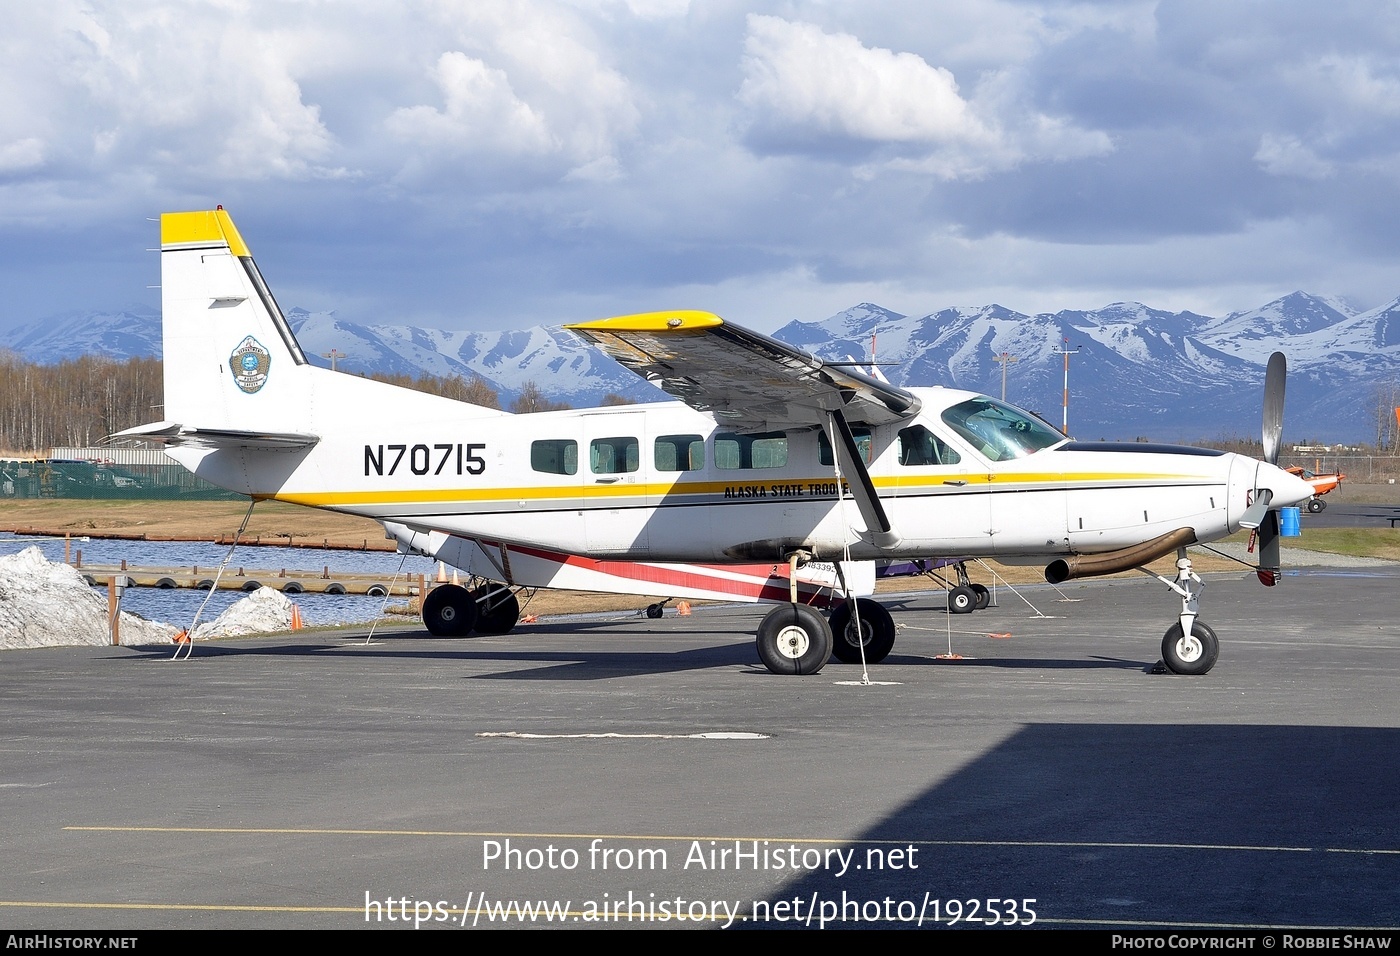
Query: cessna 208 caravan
point(769, 456)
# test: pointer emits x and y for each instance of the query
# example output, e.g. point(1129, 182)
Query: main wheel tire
point(962, 600)
point(449, 611)
point(876, 632)
point(794, 639)
point(984, 596)
point(498, 618)
point(654, 611)
point(1190, 655)
point(1316, 505)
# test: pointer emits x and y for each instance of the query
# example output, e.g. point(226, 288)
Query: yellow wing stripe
point(678, 321)
point(192, 228)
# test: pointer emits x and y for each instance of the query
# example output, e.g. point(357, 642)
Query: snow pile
point(260, 612)
point(46, 604)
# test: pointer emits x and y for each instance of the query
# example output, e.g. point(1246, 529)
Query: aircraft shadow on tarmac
point(1136, 825)
point(575, 663)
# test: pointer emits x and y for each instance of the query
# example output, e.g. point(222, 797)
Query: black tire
point(794, 639)
point(335, 587)
point(377, 590)
point(250, 586)
point(165, 584)
point(449, 611)
point(205, 585)
point(1315, 505)
point(500, 617)
point(962, 600)
point(984, 596)
point(292, 587)
point(1192, 656)
point(876, 632)
point(654, 611)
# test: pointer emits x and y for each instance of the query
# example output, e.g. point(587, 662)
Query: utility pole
point(334, 355)
point(1005, 358)
point(1066, 351)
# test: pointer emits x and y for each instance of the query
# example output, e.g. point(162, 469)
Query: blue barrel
point(1288, 523)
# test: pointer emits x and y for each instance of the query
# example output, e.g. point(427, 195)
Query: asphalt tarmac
point(650, 773)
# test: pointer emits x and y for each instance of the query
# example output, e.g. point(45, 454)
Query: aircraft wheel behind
point(794, 639)
point(498, 618)
point(876, 632)
point(449, 611)
point(1190, 655)
point(1315, 505)
point(654, 611)
point(984, 596)
point(962, 600)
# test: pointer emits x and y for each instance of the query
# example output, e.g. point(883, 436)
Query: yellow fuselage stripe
point(674, 490)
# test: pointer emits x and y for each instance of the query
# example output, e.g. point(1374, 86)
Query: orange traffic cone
point(683, 609)
point(442, 573)
point(182, 638)
point(296, 618)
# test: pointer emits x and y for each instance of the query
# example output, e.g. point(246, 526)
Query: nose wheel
point(1189, 647)
point(1190, 654)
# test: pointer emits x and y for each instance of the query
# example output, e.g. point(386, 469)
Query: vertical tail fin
point(231, 361)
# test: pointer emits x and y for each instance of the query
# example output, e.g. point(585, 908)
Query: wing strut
point(880, 532)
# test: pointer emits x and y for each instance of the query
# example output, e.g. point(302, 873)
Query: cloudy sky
point(482, 164)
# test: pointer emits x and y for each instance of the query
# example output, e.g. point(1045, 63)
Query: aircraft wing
point(755, 383)
point(743, 378)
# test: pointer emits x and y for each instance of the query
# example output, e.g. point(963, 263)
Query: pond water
point(177, 606)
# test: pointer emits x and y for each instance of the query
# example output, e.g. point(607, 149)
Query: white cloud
point(480, 113)
point(803, 84)
point(794, 73)
point(1288, 156)
point(21, 155)
point(526, 79)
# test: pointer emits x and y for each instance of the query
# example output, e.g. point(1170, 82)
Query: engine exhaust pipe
point(1111, 562)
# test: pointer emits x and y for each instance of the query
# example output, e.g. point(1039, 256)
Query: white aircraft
point(770, 456)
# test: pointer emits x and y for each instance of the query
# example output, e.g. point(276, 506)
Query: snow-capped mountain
point(131, 333)
point(1137, 371)
point(1134, 371)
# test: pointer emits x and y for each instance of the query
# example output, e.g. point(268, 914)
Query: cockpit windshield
point(1000, 431)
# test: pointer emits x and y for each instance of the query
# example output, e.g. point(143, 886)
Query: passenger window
point(919, 446)
point(680, 453)
point(613, 456)
point(554, 457)
point(862, 436)
point(766, 450)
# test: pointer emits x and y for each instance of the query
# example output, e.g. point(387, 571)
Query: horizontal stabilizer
point(170, 433)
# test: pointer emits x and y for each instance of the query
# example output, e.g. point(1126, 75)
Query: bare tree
point(531, 399)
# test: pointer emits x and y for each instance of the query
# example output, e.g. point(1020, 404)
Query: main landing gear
point(450, 610)
point(1189, 646)
point(796, 639)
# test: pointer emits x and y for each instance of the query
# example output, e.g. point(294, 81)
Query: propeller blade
point(1254, 515)
point(1269, 561)
point(1273, 406)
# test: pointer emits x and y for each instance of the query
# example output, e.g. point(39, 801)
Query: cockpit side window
point(1000, 431)
point(919, 446)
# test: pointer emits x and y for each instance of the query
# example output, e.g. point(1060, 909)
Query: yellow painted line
point(198, 907)
point(638, 837)
point(575, 915)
